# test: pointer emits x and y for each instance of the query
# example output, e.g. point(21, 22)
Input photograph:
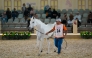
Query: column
point(12, 7)
point(49, 3)
point(2, 3)
point(76, 4)
point(75, 27)
point(86, 4)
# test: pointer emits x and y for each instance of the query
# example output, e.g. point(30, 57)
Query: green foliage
point(16, 35)
point(86, 34)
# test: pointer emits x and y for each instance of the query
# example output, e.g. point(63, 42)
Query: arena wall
point(62, 4)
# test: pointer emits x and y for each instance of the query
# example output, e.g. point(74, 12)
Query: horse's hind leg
point(37, 44)
point(39, 48)
point(48, 45)
point(55, 49)
point(42, 44)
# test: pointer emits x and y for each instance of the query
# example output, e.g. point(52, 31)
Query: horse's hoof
point(38, 54)
point(41, 51)
point(54, 50)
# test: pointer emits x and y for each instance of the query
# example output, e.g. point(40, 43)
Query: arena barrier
point(69, 36)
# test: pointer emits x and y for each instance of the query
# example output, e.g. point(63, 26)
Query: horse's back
point(47, 29)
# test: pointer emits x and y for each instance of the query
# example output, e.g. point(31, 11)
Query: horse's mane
point(40, 21)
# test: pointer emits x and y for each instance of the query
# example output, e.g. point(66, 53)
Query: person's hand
point(75, 22)
point(47, 33)
point(64, 36)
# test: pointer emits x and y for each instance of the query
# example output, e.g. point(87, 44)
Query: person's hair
point(32, 9)
point(14, 8)
point(49, 9)
point(53, 9)
point(29, 5)
point(23, 4)
point(8, 9)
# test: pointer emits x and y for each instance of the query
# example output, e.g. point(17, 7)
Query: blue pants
point(58, 43)
point(4, 20)
point(14, 16)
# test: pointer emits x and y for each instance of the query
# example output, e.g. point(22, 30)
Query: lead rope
point(51, 36)
point(66, 43)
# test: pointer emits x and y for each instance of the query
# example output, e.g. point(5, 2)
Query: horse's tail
point(52, 35)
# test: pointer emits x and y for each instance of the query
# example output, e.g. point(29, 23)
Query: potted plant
point(16, 35)
point(86, 34)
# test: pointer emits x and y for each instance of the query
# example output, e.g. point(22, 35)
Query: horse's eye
point(32, 22)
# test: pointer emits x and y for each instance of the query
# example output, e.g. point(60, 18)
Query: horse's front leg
point(55, 48)
point(40, 46)
point(38, 37)
point(48, 45)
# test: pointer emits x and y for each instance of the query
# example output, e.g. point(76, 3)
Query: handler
point(59, 29)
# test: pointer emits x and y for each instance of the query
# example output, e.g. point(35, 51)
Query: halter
point(40, 32)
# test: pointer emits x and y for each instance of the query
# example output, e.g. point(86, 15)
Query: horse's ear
point(33, 17)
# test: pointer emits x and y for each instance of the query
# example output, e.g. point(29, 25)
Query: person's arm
point(51, 30)
point(74, 18)
point(65, 30)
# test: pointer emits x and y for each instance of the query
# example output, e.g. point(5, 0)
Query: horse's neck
point(39, 24)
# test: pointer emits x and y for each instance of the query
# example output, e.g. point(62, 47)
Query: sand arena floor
point(77, 48)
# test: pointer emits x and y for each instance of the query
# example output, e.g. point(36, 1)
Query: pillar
point(75, 27)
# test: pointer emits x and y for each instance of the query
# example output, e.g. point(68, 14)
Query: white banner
point(32, 4)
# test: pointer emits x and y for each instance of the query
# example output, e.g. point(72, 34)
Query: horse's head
point(32, 23)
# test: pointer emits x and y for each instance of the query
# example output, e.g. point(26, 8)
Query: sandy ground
point(77, 48)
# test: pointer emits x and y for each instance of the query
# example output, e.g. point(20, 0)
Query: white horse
point(41, 30)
